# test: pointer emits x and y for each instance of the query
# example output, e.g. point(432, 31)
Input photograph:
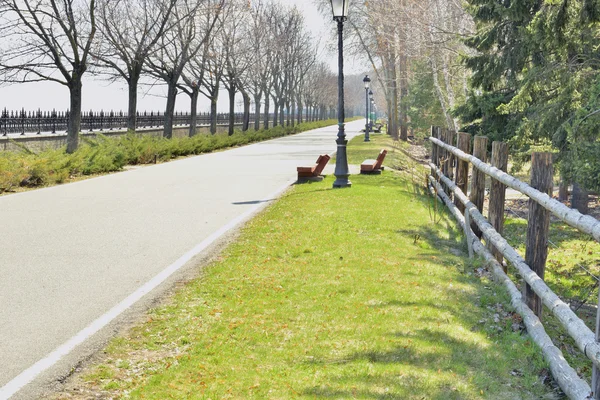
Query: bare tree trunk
point(293, 113)
point(281, 113)
point(403, 94)
point(246, 123)
point(132, 84)
point(276, 112)
point(440, 93)
point(257, 111)
point(267, 111)
point(74, 116)
point(450, 91)
point(193, 112)
point(394, 114)
point(171, 97)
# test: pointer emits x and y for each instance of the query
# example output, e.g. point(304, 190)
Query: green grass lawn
point(348, 293)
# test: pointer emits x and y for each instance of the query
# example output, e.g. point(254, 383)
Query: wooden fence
point(451, 156)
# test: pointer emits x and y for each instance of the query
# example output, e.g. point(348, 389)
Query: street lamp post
point(367, 81)
point(340, 14)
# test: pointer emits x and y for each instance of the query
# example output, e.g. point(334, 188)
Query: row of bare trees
point(260, 50)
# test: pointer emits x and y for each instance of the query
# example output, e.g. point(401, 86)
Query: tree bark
point(246, 122)
point(403, 95)
point(193, 111)
point(132, 85)
point(267, 111)
point(74, 115)
point(394, 114)
point(300, 110)
point(275, 112)
point(171, 97)
point(257, 97)
point(281, 113)
point(213, 108)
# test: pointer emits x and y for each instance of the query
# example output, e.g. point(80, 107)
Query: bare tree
point(130, 31)
point(48, 40)
point(238, 56)
point(258, 73)
point(179, 45)
point(211, 82)
point(195, 72)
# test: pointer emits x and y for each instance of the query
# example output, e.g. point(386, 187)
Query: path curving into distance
point(74, 259)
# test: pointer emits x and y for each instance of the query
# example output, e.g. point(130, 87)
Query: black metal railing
point(37, 122)
point(22, 122)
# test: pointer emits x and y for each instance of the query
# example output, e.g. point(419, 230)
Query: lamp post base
point(341, 166)
point(340, 184)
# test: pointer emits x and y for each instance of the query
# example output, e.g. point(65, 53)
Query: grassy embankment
point(26, 169)
point(352, 293)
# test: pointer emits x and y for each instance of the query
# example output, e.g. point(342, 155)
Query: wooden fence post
point(478, 179)
point(498, 195)
point(537, 227)
point(462, 168)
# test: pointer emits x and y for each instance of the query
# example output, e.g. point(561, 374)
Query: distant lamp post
point(340, 14)
point(367, 82)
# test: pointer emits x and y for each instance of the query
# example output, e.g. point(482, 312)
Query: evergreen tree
point(536, 81)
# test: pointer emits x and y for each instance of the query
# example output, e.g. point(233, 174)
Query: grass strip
point(351, 293)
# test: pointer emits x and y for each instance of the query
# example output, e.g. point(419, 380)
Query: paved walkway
point(76, 256)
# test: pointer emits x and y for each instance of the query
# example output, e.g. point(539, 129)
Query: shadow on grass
point(442, 362)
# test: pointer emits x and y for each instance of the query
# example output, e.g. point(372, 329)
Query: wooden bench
point(307, 173)
point(377, 127)
point(373, 166)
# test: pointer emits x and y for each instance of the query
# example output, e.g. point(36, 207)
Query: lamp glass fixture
point(371, 94)
point(340, 8)
point(367, 81)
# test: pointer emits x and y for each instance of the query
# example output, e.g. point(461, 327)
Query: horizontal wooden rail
point(577, 329)
point(574, 218)
point(565, 375)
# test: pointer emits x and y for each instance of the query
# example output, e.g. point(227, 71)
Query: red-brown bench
point(373, 166)
point(313, 172)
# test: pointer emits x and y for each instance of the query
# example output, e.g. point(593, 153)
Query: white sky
point(102, 95)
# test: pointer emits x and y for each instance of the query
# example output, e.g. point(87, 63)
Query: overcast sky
point(101, 95)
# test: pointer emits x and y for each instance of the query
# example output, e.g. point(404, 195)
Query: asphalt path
point(73, 257)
